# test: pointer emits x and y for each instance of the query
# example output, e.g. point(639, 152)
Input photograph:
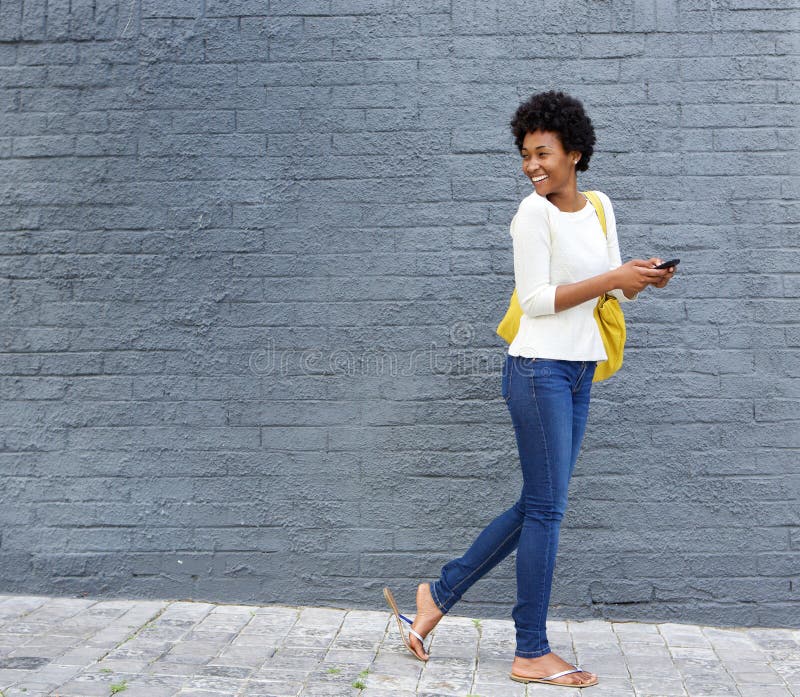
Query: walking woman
point(563, 262)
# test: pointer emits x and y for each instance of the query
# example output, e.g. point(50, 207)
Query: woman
point(562, 263)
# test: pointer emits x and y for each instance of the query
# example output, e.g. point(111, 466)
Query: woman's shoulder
point(533, 214)
point(533, 203)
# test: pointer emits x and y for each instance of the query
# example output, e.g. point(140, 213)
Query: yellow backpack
point(607, 314)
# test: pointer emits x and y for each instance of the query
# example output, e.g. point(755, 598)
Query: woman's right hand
point(635, 275)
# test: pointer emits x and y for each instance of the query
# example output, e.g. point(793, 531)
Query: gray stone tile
point(246, 656)
point(707, 686)
point(30, 690)
point(651, 666)
point(499, 688)
point(167, 667)
point(753, 673)
point(764, 691)
point(381, 680)
point(686, 635)
point(335, 655)
point(66, 647)
point(83, 688)
point(149, 691)
point(659, 686)
point(638, 632)
point(272, 688)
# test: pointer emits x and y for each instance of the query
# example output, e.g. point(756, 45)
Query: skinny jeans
point(549, 404)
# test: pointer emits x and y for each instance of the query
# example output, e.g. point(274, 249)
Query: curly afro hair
point(561, 114)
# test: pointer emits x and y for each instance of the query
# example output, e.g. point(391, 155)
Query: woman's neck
point(569, 201)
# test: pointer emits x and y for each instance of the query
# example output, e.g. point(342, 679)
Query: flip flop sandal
point(400, 619)
point(550, 679)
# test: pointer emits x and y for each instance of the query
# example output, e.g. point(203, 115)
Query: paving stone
point(764, 691)
point(80, 656)
point(752, 673)
point(29, 690)
point(82, 688)
point(608, 666)
point(708, 686)
point(22, 662)
point(171, 668)
point(247, 656)
point(201, 649)
point(16, 606)
point(385, 681)
point(685, 635)
point(607, 687)
point(638, 632)
point(346, 656)
point(658, 686)
point(504, 688)
point(52, 673)
point(645, 666)
point(122, 665)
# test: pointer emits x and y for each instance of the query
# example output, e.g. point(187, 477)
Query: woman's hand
point(670, 272)
point(635, 275)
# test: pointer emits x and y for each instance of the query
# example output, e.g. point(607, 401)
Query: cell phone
point(668, 264)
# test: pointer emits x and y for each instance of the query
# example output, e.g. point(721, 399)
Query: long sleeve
point(612, 245)
point(530, 231)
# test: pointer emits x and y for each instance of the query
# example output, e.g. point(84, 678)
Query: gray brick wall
point(253, 254)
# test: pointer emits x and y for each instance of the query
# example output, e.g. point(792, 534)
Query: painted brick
point(253, 257)
point(11, 20)
point(236, 8)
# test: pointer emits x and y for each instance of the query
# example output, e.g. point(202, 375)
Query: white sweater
point(553, 248)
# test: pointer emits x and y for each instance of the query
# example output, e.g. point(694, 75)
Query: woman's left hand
point(661, 282)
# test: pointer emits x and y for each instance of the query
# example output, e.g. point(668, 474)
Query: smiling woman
point(549, 167)
point(563, 262)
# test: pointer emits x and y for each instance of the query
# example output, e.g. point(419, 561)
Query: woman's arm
point(623, 281)
point(630, 278)
point(530, 231)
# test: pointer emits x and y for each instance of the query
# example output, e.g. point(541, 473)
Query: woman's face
point(546, 164)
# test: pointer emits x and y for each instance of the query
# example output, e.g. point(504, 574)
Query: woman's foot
point(550, 664)
point(427, 617)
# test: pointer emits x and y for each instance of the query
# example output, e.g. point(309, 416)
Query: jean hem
point(442, 606)
point(532, 654)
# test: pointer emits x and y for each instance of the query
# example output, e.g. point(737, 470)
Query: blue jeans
point(549, 403)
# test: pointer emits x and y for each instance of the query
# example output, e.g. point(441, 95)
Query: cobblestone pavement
point(86, 648)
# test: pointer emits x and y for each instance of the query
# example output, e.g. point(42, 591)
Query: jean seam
point(486, 561)
point(540, 622)
point(509, 369)
point(577, 387)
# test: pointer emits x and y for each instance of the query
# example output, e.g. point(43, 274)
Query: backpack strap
point(594, 199)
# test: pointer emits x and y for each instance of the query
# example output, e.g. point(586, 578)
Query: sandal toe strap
point(418, 635)
point(562, 673)
point(411, 631)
